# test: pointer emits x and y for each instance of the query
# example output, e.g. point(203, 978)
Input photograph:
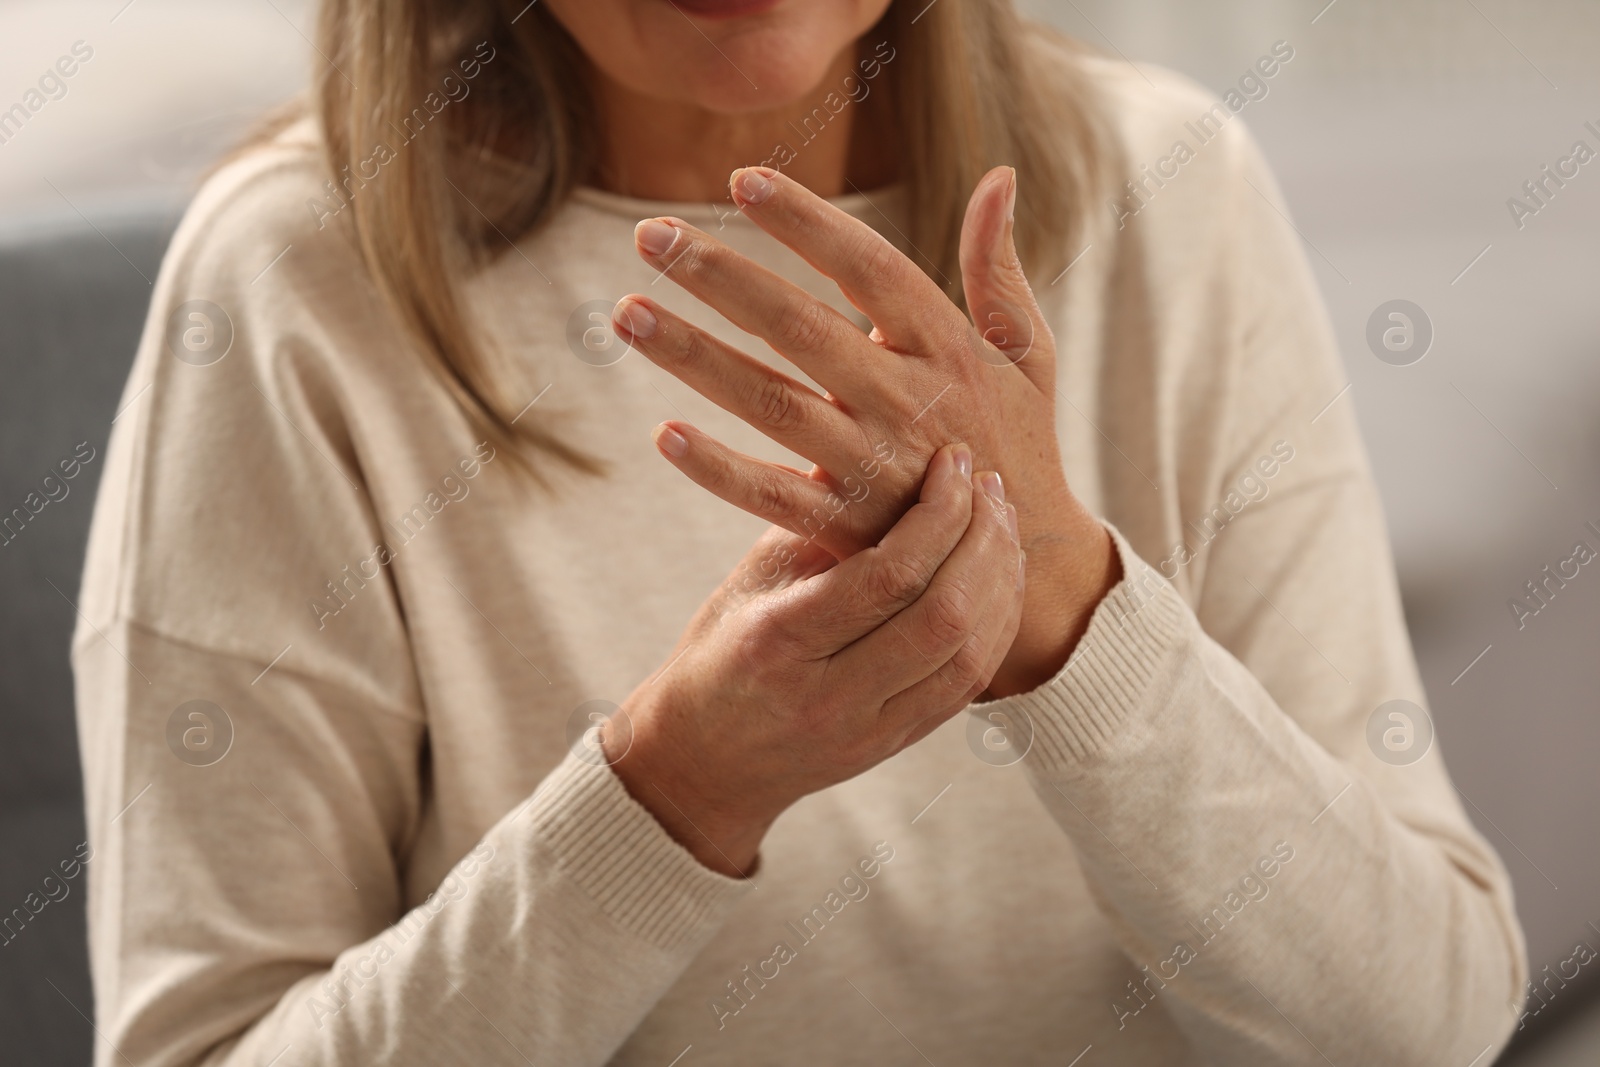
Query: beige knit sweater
point(370, 844)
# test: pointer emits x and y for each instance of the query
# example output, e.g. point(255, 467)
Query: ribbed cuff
point(619, 854)
point(1111, 673)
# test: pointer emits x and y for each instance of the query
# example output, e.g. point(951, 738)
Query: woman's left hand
point(926, 376)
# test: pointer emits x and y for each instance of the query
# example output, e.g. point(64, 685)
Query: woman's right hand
point(826, 669)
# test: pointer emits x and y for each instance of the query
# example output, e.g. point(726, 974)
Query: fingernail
point(655, 236)
point(1011, 523)
point(751, 186)
point(992, 485)
point(1011, 194)
point(634, 319)
point(671, 441)
point(964, 461)
point(1022, 567)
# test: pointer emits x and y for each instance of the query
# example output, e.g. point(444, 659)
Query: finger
point(1008, 634)
point(809, 333)
point(991, 639)
point(787, 411)
point(841, 605)
point(938, 624)
point(968, 671)
point(930, 703)
point(874, 275)
point(999, 297)
point(806, 506)
point(777, 559)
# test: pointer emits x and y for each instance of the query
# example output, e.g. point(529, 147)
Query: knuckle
point(968, 666)
point(951, 514)
point(766, 641)
point(770, 497)
point(804, 328)
point(895, 581)
point(948, 618)
point(695, 348)
point(996, 527)
point(875, 257)
point(751, 649)
point(776, 405)
point(957, 511)
point(697, 262)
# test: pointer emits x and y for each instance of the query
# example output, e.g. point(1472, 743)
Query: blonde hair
point(972, 86)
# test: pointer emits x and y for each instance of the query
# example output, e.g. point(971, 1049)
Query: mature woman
point(429, 717)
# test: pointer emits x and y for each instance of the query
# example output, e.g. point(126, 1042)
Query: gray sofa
point(71, 307)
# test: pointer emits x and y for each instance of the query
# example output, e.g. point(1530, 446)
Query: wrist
point(661, 775)
point(1070, 570)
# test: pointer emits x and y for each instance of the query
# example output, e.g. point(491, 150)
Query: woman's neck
point(827, 140)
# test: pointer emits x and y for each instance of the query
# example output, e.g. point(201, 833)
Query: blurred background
point(1399, 132)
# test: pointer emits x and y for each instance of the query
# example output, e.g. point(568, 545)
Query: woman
point(429, 718)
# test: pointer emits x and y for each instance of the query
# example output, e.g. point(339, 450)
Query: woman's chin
point(755, 75)
point(722, 9)
point(732, 99)
point(728, 57)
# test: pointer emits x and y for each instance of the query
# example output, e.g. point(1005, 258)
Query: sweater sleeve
point(256, 783)
point(1285, 863)
point(250, 909)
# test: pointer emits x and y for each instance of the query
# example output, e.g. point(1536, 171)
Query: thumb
point(999, 297)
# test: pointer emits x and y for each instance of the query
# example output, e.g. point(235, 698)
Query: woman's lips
point(723, 9)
